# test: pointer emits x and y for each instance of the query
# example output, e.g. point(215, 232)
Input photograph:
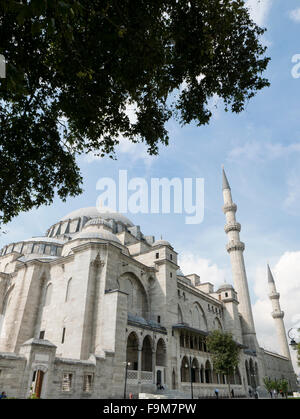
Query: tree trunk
point(228, 382)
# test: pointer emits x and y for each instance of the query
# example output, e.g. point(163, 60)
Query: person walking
point(3, 395)
point(217, 393)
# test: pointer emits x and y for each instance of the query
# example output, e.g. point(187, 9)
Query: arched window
point(69, 289)
point(48, 295)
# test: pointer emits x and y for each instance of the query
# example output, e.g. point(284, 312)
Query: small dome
point(103, 235)
point(179, 272)
point(161, 243)
point(225, 286)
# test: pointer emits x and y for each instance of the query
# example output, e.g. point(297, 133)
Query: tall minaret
point(278, 315)
point(235, 248)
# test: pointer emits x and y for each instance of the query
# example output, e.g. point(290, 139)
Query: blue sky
point(260, 149)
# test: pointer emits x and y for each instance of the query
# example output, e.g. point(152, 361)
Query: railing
point(146, 376)
point(132, 375)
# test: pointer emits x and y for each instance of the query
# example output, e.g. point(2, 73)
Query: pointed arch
point(147, 353)
point(137, 300)
point(208, 372)
point(132, 351)
point(185, 370)
point(195, 371)
point(198, 317)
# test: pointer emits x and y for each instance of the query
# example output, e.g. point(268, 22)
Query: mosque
point(96, 309)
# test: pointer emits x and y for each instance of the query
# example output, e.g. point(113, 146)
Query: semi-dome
point(94, 212)
point(179, 272)
point(102, 234)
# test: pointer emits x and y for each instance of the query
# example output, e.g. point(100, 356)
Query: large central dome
point(92, 212)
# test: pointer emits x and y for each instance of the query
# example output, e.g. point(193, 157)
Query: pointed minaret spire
point(225, 180)
point(278, 315)
point(270, 275)
point(235, 248)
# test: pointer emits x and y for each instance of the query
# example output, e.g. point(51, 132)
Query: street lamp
point(292, 343)
point(126, 370)
point(191, 378)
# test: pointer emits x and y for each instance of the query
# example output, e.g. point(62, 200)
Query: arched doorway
point(159, 380)
point(147, 354)
point(37, 383)
point(252, 374)
point(132, 351)
point(161, 361)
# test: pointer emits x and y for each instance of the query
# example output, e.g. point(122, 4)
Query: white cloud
point(207, 270)
point(259, 10)
point(295, 15)
point(286, 273)
point(262, 151)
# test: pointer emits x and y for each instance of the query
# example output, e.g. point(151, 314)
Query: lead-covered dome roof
point(75, 221)
point(94, 212)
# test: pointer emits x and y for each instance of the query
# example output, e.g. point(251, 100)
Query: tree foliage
point(281, 386)
point(224, 350)
point(225, 353)
point(74, 67)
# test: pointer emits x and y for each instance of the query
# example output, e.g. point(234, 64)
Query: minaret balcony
point(232, 227)
point(235, 245)
point(274, 295)
point(229, 207)
point(277, 314)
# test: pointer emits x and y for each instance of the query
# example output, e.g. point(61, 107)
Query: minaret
point(278, 315)
point(235, 248)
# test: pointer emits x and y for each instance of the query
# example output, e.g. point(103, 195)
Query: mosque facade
point(96, 309)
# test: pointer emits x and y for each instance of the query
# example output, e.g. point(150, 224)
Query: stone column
point(153, 365)
point(139, 362)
